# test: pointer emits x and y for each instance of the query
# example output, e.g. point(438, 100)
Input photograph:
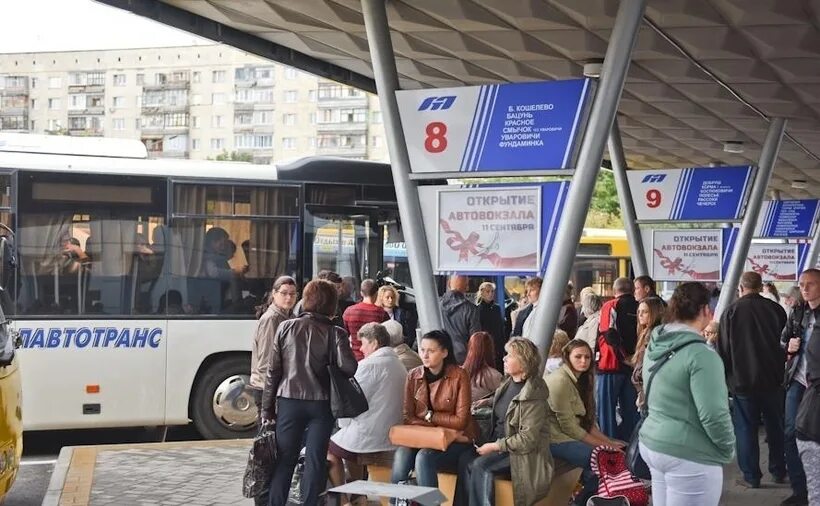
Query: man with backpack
point(617, 338)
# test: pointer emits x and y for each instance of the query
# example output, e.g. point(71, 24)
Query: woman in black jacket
point(808, 415)
point(491, 320)
point(297, 390)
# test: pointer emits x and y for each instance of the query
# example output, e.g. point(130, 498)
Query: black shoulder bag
point(347, 400)
point(634, 461)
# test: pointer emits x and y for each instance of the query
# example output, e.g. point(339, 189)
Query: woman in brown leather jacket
point(298, 384)
point(436, 394)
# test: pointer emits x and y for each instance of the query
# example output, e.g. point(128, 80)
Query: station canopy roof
point(703, 71)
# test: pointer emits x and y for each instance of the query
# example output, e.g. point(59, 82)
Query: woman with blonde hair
point(650, 315)
point(387, 298)
point(492, 322)
point(555, 357)
point(519, 443)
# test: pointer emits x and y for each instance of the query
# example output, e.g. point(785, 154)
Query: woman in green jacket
point(687, 437)
point(573, 431)
point(520, 437)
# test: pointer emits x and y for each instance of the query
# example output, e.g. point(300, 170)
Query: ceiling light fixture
point(592, 68)
point(733, 146)
point(800, 184)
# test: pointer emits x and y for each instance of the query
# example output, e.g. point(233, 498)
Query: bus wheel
point(223, 406)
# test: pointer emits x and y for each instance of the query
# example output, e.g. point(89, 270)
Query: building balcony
point(168, 154)
point(88, 111)
point(86, 88)
point(14, 111)
point(344, 151)
point(351, 127)
point(346, 102)
point(9, 91)
point(170, 85)
point(160, 108)
point(85, 132)
point(253, 83)
point(163, 130)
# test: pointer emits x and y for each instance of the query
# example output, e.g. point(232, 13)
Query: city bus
point(137, 279)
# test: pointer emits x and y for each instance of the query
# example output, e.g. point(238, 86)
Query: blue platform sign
point(788, 219)
point(492, 229)
point(694, 194)
point(494, 128)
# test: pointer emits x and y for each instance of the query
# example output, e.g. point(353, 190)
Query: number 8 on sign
point(436, 140)
point(653, 198)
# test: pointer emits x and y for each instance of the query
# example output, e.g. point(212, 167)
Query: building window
point(118, 123)
point(34, 103)
point(312, 95)
point(219, 76)
point(217, 121)
point(249, 141)
point(194, 144)
point(54, 125)
point(140, 79)
point(291, 96)
point(262, 117)
point(313, 118)
point(54, 103)
point(217, 143)
point(288, 143)
point(55, 82)
point(35, 81)
point(196, 99)
point(218, 98)
point(242, 118)
point(118, 102)
point(96, 78)
point(195, 121)
point(138, 123)
point(290, 73)
point(289, 119)
point(119, 80)
point(197, 76)
point(376, 141)
point(32, 125)
point(13, 123)
point(264, 73)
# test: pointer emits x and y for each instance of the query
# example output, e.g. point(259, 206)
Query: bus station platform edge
point(201, 473)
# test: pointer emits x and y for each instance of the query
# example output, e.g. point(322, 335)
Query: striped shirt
point(355, 317)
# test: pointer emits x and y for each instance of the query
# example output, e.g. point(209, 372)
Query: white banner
point(687, 255)
point(488, 229)
point(774, 262)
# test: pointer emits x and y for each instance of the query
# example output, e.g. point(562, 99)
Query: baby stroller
point(616, 485)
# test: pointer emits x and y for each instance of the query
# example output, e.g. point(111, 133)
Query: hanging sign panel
point(494, 128)
point(788, 218)
point(687, 255)
point(491, 229)
point(696, 194)
point(774, 262)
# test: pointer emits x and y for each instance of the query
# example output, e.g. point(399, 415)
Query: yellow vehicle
point(11, 414)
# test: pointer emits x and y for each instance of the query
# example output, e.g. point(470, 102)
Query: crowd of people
point(480, 380)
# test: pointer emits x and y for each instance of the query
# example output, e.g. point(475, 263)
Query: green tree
point(233, 156)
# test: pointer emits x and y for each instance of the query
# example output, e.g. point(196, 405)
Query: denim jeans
point(613, 390)
point(746, 417)
point(678, 482)
point(578, 454)
point(797, 476)
point(295, 418)
point(477, 476)
point(426, 462)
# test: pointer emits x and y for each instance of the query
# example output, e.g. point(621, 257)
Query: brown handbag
point(422, 436)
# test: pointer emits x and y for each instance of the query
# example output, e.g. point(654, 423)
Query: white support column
point(633, 231)
point(387, 83)
point(765, 167)
point(602, 114)
point(814, 250)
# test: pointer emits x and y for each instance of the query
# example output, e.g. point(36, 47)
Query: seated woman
point(573, 431)
point(520, 437)
point(437, 394)
point(381, 376)
point(480, 365)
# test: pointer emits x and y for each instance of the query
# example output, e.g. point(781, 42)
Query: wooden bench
point(379, 468)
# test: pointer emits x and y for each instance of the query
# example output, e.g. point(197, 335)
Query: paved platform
point(201, 473)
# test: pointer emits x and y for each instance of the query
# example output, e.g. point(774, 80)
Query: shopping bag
point(261, 461)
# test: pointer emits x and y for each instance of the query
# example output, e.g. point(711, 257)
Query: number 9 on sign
point(653, 198)
point(436, 140)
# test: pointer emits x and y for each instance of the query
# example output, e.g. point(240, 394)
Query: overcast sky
point(65, 25)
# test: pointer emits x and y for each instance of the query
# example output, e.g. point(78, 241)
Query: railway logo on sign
point(437, 103)
point(653, 178)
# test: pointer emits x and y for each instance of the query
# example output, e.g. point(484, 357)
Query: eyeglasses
point(286, 294)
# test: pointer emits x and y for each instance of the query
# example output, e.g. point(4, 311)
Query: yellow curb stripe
point(80, 476)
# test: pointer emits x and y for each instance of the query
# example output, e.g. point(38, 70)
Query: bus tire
point(222, 404)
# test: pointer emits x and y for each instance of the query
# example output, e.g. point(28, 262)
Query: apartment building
point(189, 102)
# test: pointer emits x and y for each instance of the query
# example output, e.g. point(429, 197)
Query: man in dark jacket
point(749, 344)
point(617, 338)
point(459, 316)
point(801, 329)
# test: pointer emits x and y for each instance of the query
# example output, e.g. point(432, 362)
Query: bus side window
point(235, 241)
point(84, 244)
